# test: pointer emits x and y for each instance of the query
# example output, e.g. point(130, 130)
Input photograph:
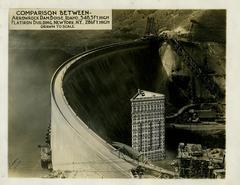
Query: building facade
point(148, 124)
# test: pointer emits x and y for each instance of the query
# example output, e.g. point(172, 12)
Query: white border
point(232, 81)
point(3, 93)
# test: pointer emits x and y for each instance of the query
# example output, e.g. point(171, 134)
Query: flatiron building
point(148, 124)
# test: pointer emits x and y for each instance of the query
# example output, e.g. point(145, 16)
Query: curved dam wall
point(99, 87)
point(74, 146)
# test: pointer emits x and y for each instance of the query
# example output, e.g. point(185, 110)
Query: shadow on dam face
point(99, 89)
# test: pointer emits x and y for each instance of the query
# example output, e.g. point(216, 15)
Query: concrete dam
point(99, 89)
point(90, 98)
point(90, 104)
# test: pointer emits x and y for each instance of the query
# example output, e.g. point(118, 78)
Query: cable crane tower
point(151, 29)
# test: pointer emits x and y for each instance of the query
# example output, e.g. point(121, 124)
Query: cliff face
point(209, 56)
point(205, 25)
